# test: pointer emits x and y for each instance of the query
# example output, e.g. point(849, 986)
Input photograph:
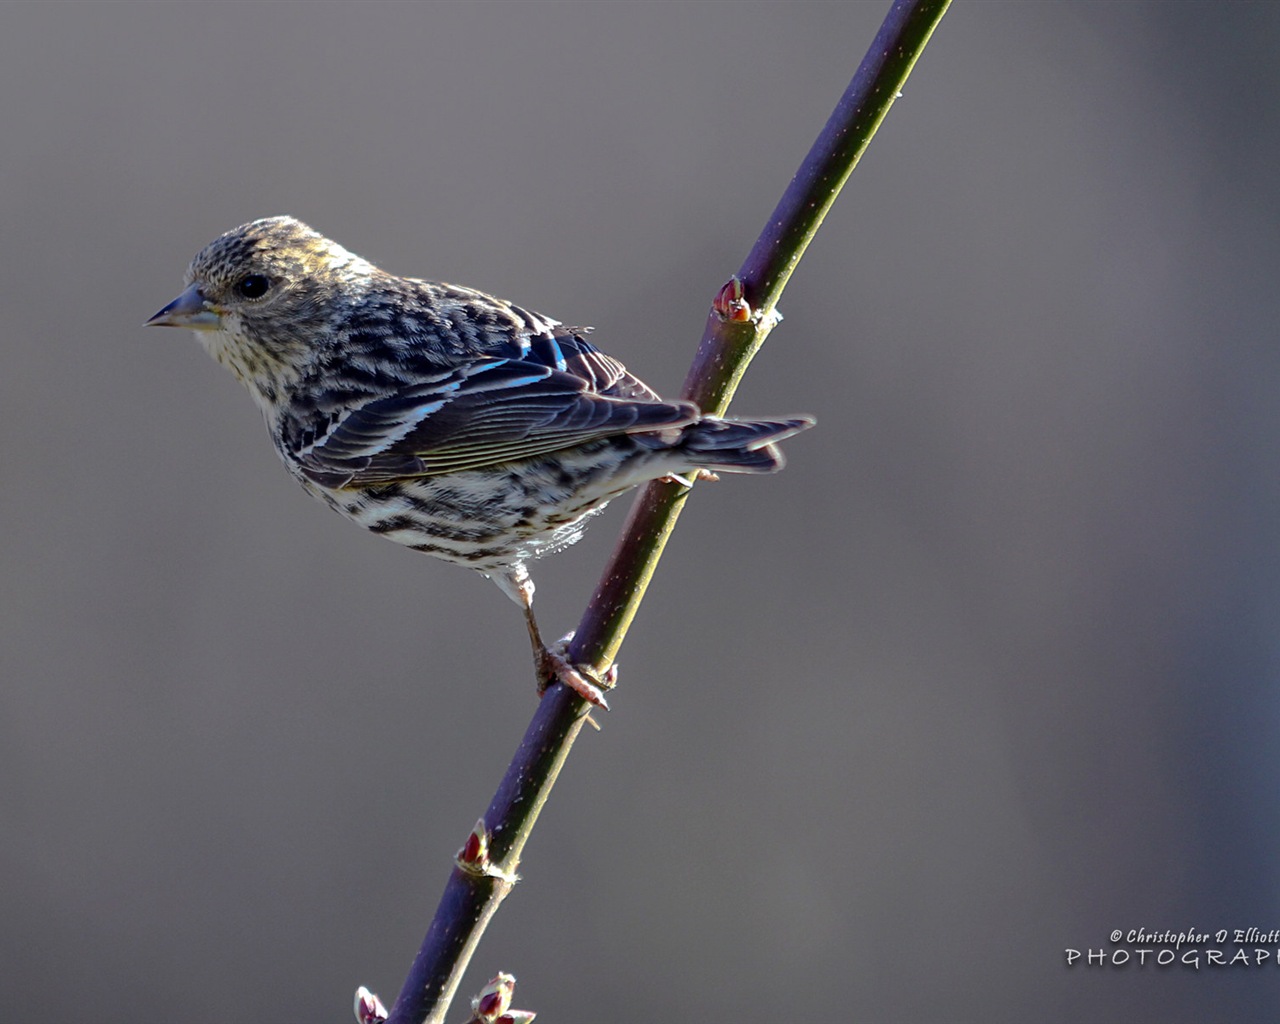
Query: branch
point(737, 326)
point(728, 345)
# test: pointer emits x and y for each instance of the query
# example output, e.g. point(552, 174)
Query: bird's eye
point(253, 286)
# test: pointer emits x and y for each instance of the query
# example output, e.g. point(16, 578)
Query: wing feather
point(486, 413)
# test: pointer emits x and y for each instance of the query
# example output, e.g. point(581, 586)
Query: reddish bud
point(730, 303)
point(475, 851)
point(369, 1008)
point(495, 998)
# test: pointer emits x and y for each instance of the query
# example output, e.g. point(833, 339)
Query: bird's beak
point(190, 309)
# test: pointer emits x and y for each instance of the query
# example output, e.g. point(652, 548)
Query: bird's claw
point(581, 679)
point(687, 479)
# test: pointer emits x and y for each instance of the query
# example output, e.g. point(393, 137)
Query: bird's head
point(263, 297)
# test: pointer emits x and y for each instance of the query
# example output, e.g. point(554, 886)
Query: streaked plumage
point(437, 416)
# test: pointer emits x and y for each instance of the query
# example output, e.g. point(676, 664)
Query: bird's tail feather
point(739, 446)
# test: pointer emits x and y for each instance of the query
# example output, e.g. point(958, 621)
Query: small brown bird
point(442, 418)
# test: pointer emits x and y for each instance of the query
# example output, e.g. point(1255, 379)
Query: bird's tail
point(739, 446)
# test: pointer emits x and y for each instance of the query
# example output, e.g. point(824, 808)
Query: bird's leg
point(549, 664)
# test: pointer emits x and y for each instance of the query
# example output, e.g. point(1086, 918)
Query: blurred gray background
point(989, 672)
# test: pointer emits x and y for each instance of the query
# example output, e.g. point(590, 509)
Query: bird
point(440, 417)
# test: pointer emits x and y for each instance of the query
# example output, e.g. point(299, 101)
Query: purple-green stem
point(727, 347)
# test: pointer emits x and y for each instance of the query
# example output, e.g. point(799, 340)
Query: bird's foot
point(687, 480)
point(581, 679)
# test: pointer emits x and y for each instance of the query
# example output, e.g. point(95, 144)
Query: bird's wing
point(481, 414)
point(568, 351)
